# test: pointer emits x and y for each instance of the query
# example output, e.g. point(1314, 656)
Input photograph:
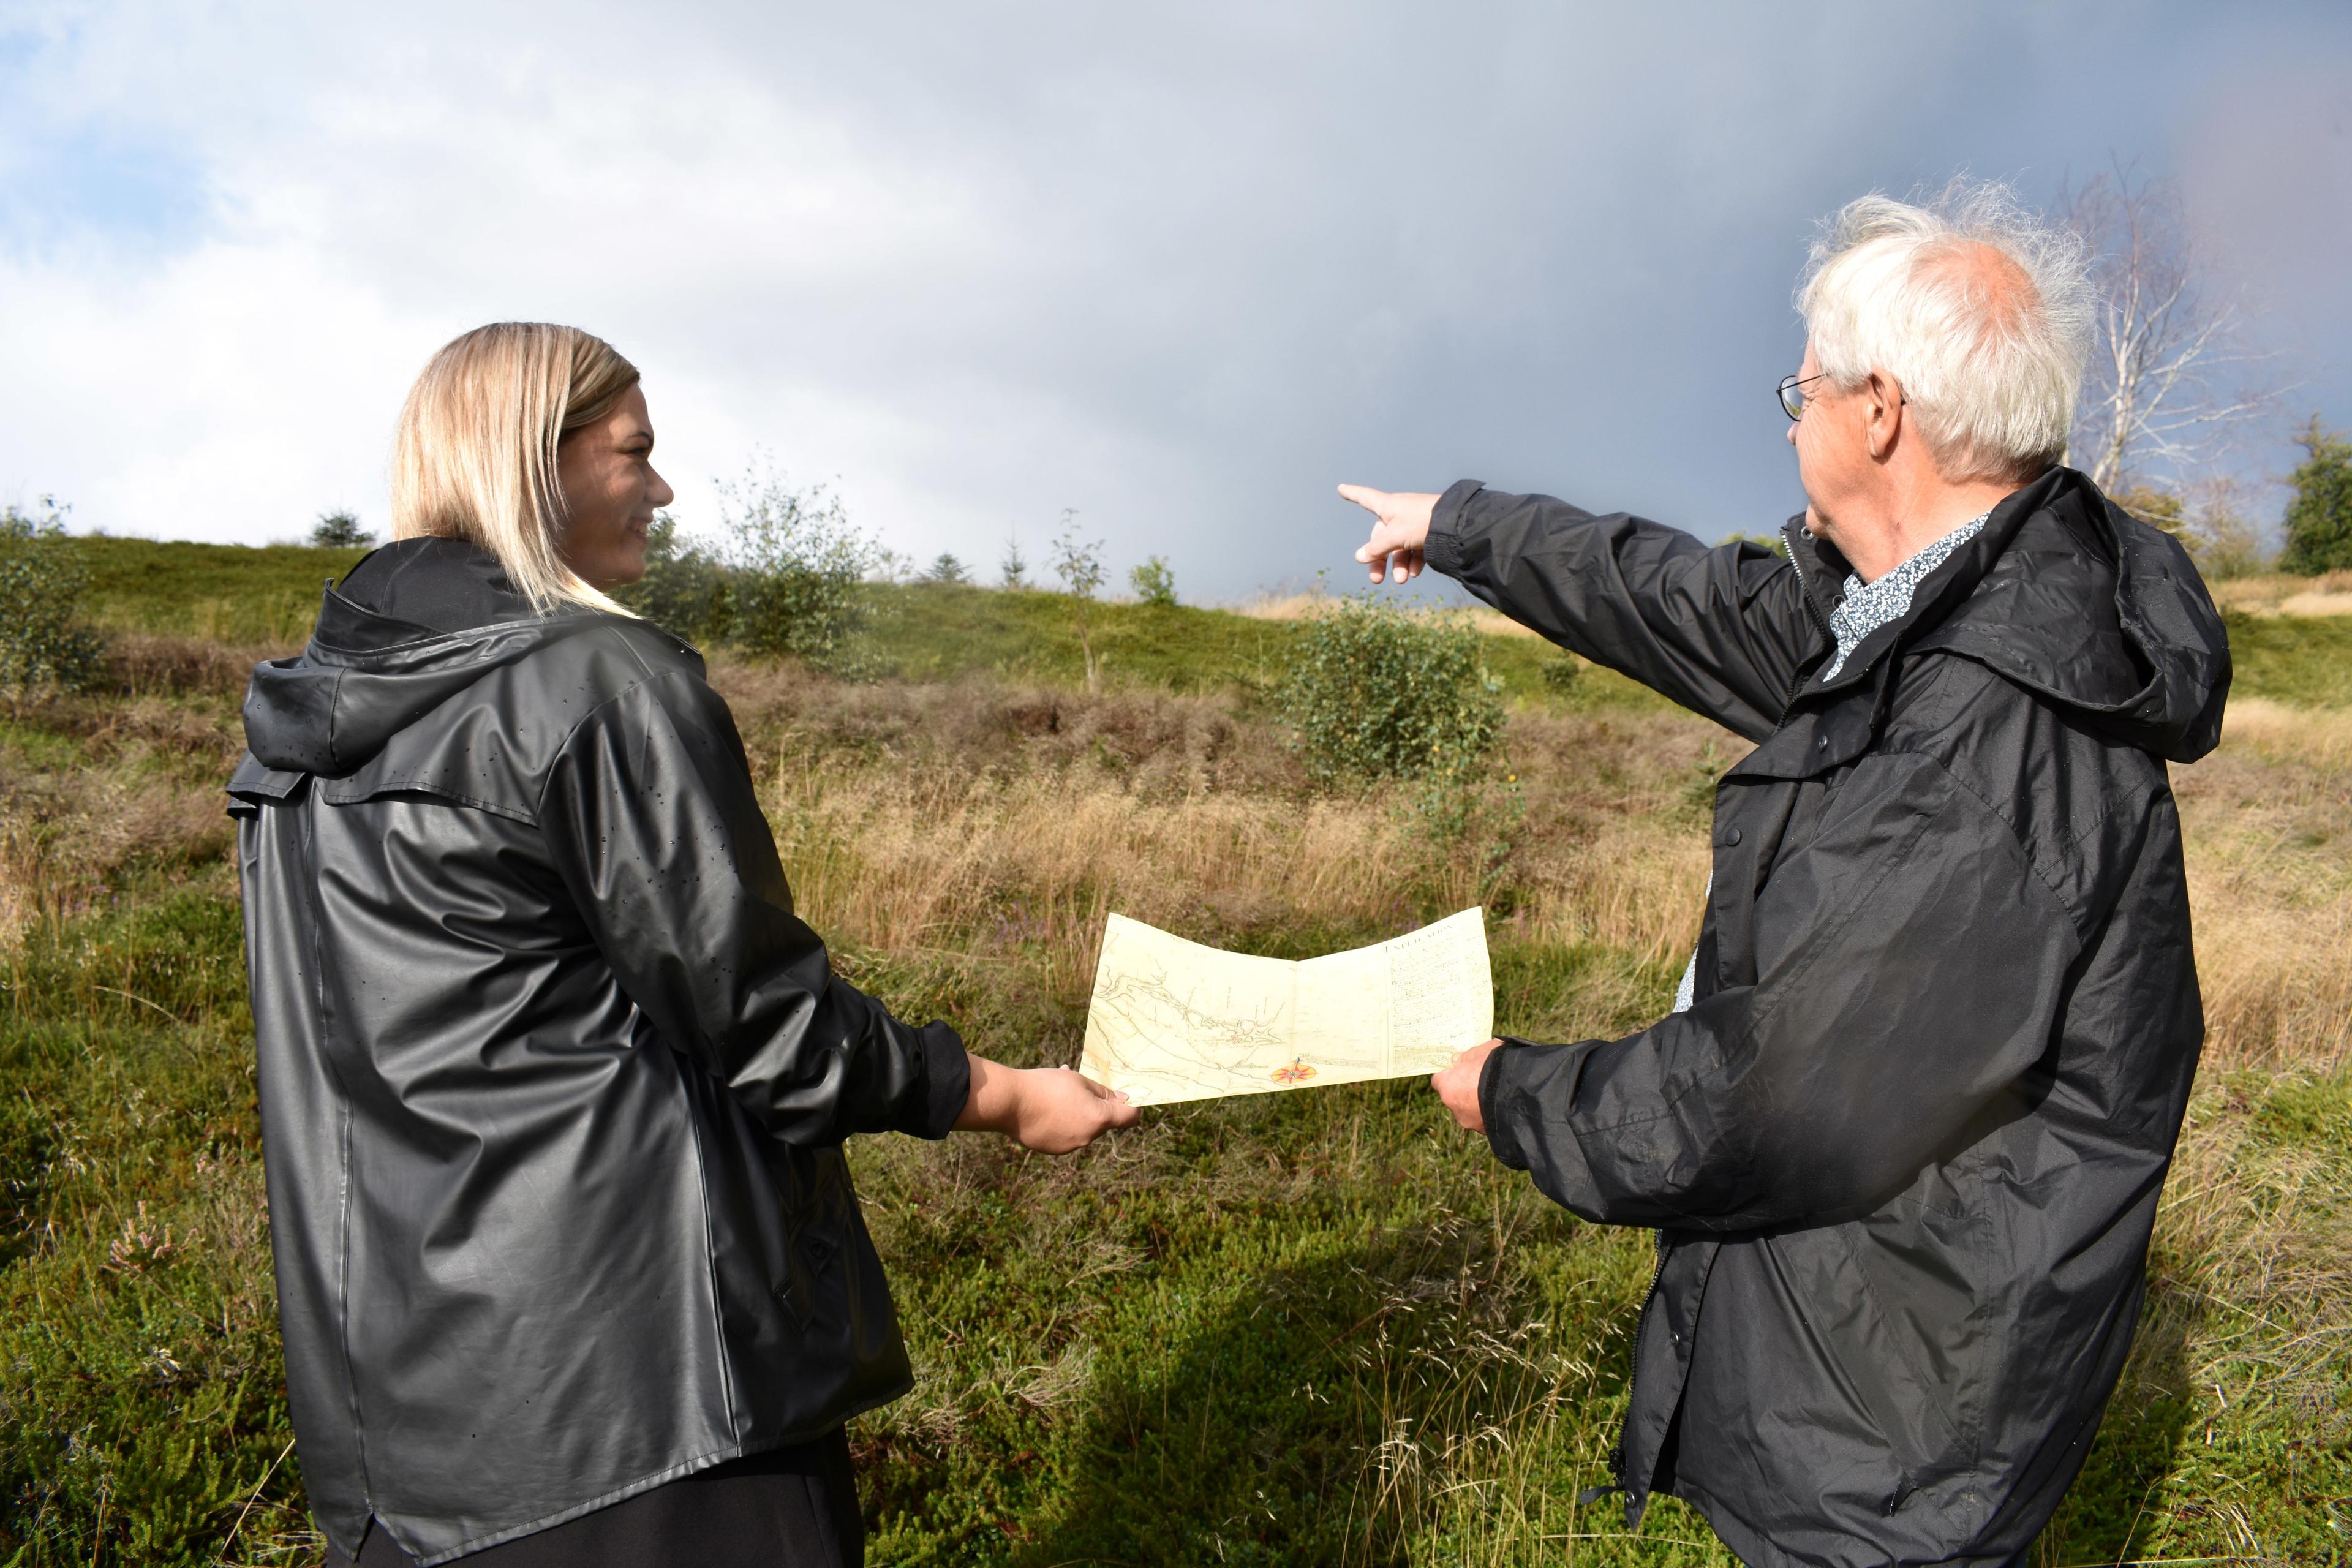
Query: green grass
point(2305, 660)
point(230, 592)
point(918, 631)
point(142, 1391)
point(940, 631)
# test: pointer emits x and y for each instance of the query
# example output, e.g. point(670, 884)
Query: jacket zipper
point(1632, 1383)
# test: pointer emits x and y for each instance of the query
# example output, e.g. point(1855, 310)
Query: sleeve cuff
point(946, 1080)
point(1499, 1136)
point(1442, 550)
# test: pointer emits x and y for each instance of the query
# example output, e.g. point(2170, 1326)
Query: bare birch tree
point(2171, 373)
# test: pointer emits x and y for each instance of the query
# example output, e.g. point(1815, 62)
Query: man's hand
point(1457, 1086)
point(1399, 528)
point(1050, 1109)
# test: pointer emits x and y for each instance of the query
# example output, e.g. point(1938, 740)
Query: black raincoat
point(1903, 1152)
point(553, 1083)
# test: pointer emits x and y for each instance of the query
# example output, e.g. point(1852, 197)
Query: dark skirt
point(788, 1508)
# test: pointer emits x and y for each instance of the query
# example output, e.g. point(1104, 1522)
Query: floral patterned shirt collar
point(1870, 605)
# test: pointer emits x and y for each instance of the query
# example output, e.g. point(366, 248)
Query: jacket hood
point(2067, 596)
point(365, 677)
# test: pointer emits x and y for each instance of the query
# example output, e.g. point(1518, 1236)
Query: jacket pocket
point(1908, 1337)
point(811, 1292)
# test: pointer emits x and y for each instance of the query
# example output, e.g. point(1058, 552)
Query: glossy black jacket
point(1904, 1151)
point(553, 1083)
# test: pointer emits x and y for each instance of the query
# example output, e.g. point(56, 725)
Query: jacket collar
point(2062, 595)
point(1823, 571)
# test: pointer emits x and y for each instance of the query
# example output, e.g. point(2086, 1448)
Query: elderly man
point(1903, 1136)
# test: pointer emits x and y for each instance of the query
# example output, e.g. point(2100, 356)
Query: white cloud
point(1181, 268)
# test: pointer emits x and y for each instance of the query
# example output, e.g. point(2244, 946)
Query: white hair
point(1989, 358)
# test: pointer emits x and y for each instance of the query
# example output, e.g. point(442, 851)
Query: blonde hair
point(474, 457)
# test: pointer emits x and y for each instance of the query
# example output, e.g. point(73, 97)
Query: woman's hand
point(1050, 1109)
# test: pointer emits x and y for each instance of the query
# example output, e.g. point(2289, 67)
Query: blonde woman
point(554, 1082)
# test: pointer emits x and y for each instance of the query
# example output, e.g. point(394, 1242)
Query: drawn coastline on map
point(1172, 1020)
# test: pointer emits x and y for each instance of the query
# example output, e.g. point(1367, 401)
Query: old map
point(1173, 1020)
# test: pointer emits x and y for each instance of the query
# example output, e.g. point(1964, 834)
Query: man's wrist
point(1442, 548)
point(1498, 1137)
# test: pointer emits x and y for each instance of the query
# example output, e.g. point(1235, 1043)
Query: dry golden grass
point(913, 820)
point(2277, 593)
point(61, 840)
point(914, 816)
point(139, 786)
point(1303, 607)
point(958, 825)
point(2270, 878)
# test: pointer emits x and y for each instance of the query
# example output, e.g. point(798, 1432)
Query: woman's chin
point(607, 575)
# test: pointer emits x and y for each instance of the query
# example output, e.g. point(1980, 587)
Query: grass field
point(1316, 1328)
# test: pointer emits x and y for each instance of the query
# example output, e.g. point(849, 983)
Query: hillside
point(1316, 1328)
point(942, 631)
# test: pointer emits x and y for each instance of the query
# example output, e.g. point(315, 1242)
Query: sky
point(1182, 268)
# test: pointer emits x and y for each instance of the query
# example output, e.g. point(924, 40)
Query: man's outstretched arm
point(1723, 631)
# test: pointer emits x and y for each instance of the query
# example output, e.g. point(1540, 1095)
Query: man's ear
point(1883, 416)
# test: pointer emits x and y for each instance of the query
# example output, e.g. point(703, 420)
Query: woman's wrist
point(993, 1105)
point(1050, 1109)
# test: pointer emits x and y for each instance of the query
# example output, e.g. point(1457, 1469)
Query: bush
point(2319, 518)
point(43, 644)
point(1771, 542)
point(2207, 521)
point(1374, 692)
point(684, 589)
point(947, 567)
point(1153, 583)
point(785, 579)
point(1559, 667)
point(795, 563)
point(339, 530)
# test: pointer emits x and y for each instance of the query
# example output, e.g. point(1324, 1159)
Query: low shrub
point(1375, 692)
point(785, 577)
point(45, 643)
point(1153, 583)
point(684, 589)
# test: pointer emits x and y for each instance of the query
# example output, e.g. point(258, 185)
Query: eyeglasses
point(1792, 395)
